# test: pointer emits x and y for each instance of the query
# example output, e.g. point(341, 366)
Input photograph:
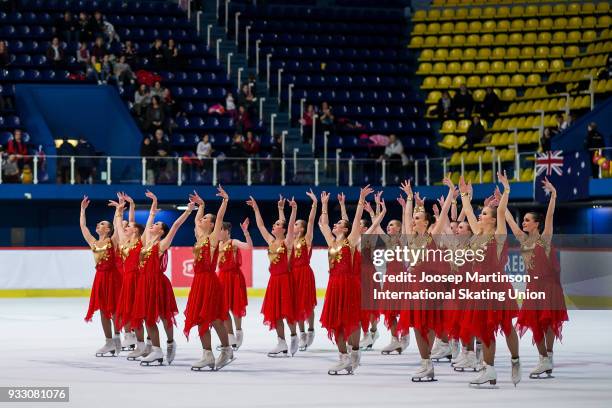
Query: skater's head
point(279, 229)
point(299, 228)
point(421, 220)
point(453, 226)
point(207, 223)
point(124, 224)
point(533, 222)
point(159, 230)
point(487, 219)
point(226, 231)
point(134, 230)
point(341, 229)
point(104, 229)
point(364, 224)
point(463, 229)
point(394, 227)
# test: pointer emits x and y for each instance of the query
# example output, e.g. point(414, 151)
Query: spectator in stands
point(99, 49)
point(155, 117)
point(94, 70)
point(475, 133)
point(110, 33)
point(463, 102)
point(490, 105)
point(245, 97)
point(161, 164)
point(63, 163)
point(157, 90)
point(10, 169)
point(546, 138)
point(204, 149)
point(252, 82)
point(84, 28)
point(243, 120)
point(82, 54)
point(142, 100)
point(276, 154)
point(594, 139)
point(444, 107)
point(169, 104)
point(230, 106)
point(123, 72)
point(394, 151)
point(251, 145)
point(85, 163)
point(157, 54)
point(326, 118)
point(67, 29)
point(55, 53)
point(128, 50)
point(148, 150)
point(307, 121)
point(563, 122)
point(172, 55)
point(5, 58)
point(18, 148)
point(96, 24)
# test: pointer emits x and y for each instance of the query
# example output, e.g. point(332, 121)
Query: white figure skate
point(156, 357)
point(293, 348)
point(516, 371)
point(310, 336)
point(487, 378)
point(543, 370)
point(207, 361)
point(170, 351)
point(442, 352)
point(343, 367)
point(239, 338)
point(425, 373)
point(129, 341)
point(280, 350)
point(108, 350)
point(355, 359)
point(394, 347)
point(303, 344)
point(138, 352)
point(225, 357)
point(468, 363)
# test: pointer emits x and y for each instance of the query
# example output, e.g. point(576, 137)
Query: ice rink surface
point(45, 342)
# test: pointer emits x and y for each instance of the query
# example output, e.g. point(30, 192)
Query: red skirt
point(305, 291)
point(539, 315)
point(205, 303)
point(154, 300)
point(234, 292)
point(341, 313)
point(125, 303)
point(104, 293)
point(278, 301)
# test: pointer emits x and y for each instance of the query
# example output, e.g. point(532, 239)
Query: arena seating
point(537, 57)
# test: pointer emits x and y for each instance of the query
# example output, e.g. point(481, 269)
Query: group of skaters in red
point(132, 292)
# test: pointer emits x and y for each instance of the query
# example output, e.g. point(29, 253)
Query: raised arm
point(245, 230)
point(83, 223)
point(151, 218)
point(514, 227)
point(466, 203)
point(281, 207)
point(311, 219)
point(378, 219)
point(324, 220)
point(220, 214)
point(503, 205)
point(550, 212)
point(291, 226)
point(454, 206)
point(195, 197)
point(356, 228)
point(259, 221)
point(407, 213)
point(378, 202)
point(342, 201)
point(443, 218)
point(167, 241)
point(118, 221)
point(132, 211)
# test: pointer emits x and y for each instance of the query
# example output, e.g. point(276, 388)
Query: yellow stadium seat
point(433, 14)
point(448, 126)
point(560, 23)
point(448, 14)
point(532, 24)
point(487, 81)
point(502, 81)
point(470, 54)
point(600, 86)
point(458, 40)
point(426, 55)
point(433, 29)
point(475, 12)
point(444, 82)
point(511, 67)
point(458, 81)
point(587, 8)
point(573, 8)
point(487, 39)
point(604, 21)
point(461, 27)
point(526, 66)
point(541, 66)
point(557, 65)
point(544, 37)
point(533, 79)
point(571, 51)
point(517, 25)
point(473, 81)
point(559, 37)
point(489, 12)
point(475, 26)
point(431, 41)
point(603, 7)
point(527, 52)
point(455, 177)
point(419, 29)
point(433, 97)
point(556, 51)
point(503, 26)
point(542, 51)
point(468, 67)
point(447, 27)
point(479, 94)
point(502, 12)
point(531, 10)
point(508, 94)
point(513, 53)
point(498, 53)
point(460, 141)
point(517, 80)
point(488, 26)
point(588, 36)
point(517, 11)
point(501, 39)
point(515, 38)
point(463, 125)
point(424, 68)
point(453, 67)
point(497, 124)
point(471, 158)
point(530, 38)
point(487, 177)
point(484, 67)
point(438, 68)
point(545, 24)
point(558, 9)
point(461, 13)
point(574, 36)
point(513, 108)
point(589, 22)
point(444, 41)
point(574, 22)
point(429, 83)
point(441, 54)
point(416, 42)
point(431, 110)
point(419, 15)
point(473, 39)
point(484, 53)
point(448, 142)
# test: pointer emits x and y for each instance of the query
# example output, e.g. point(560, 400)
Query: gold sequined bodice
point(198, 248)
point(274, 254)
point(528, 248)
point(334, 254)
point(102, 253)
point(299, 246)
point(227, 250)
point(127, 247)
point(145, 253)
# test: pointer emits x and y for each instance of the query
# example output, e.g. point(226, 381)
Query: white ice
point(45, 342)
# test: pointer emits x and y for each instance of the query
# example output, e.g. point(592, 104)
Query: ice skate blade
point(446, 359)
point(159, 362)
point(464, 369)
point(303, 348)
point(134, 358)
point(343, 372)
point(541, 376)
point(367, 348)
point(109, 354)
point(205, 368)
point(492, 384)
point(224, 365)
point(128, 348)
point(392, 352)
point(282, 354)
point(423, 379)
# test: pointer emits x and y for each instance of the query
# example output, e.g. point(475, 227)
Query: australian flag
point(568, 171)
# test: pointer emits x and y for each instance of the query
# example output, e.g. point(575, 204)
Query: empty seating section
point(196, 85)
point(354, 59)
point(537, 56)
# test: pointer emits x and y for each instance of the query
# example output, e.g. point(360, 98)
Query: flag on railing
point(568, 171)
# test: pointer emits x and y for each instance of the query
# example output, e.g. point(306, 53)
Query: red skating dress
point(367, 285)
point(107, 282)
point(205, 301)
point(394, 268)
point(279, 301)
point(342, 306)
point(154, 298)
point(538, 315)
point(486, 318)
point(130, 254)
point(303, 280)
point(423, 314)
point(455, 309)
point(232, 280)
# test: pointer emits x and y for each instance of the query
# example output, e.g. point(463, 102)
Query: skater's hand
point(503, 179)
point(401, 201)
point(84, 202)
point(312, 196)
point(127, 198)
point(115, 204)
point(341, 198)
point(548, 186)
point(150, 195)
point(221, 193)
point(406, 188)
point(420, 202)
point(120, 198)
point(378, 197)
point(281, 202)
point(449, 183)
point(364, 192)
point(368, 208)
point(252, 203)
point(292, 203)
point(324, 197)
point(195, 197)
point(436, 211)
point(463, 187)
point(190, 206)
point(245, 225)
point(441, 201)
